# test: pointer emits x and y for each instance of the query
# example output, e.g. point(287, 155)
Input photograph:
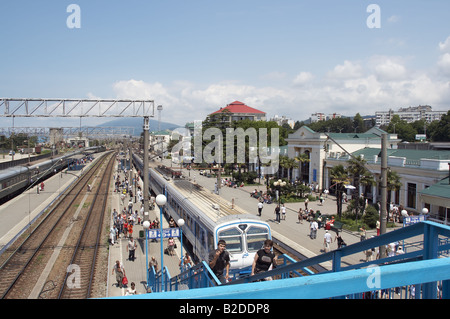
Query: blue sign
point(413, 220)
point(167, 233)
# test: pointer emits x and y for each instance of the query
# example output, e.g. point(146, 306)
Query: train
point(205, 224)
point(16, 179)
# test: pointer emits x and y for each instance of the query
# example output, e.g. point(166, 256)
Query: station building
point(321, 146)
point(238, 111)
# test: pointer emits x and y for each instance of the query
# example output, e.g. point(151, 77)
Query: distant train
point(205, 225)
point(16, 179)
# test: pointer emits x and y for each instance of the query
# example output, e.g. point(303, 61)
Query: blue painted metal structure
point(420, 273)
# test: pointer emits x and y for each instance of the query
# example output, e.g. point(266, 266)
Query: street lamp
point(279, 184)
point(161, 200)
point(146, 225)
point(424, 211)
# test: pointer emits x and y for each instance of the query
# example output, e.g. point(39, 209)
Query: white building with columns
point(321, 146)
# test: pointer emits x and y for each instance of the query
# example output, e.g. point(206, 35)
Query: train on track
point(16, 179)
point(206, 222)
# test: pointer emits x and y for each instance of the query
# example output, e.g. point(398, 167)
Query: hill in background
point(138, 123)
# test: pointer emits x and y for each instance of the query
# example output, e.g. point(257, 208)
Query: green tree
point(358, 123)
point(442, 131)
point(339, 176)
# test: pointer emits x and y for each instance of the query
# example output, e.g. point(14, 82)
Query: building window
point(411, 195)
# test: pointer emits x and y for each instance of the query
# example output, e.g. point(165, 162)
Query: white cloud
point(389, 70)
point(346, 71)
point(303, 78)
point(445, 46)
point(363, 86)
point(444, 63)
point(393, 19)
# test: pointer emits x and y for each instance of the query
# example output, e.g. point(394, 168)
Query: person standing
point(170, 246)
point(113, 234)
point(327, 241)
point(313, 227)
point(300, 215)
point(219, 260)
point(283, 212)
point(277, 213)
point(131, 248)
point(264, 258)
point(120, 273)
point(260, 208)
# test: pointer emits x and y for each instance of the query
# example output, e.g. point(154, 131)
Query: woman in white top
point(131, 290)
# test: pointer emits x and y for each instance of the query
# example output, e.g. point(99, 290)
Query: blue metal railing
point(419, 273)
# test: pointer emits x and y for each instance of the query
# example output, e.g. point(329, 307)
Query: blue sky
point(285, 57)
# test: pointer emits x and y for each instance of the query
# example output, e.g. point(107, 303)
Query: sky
point(287, 57)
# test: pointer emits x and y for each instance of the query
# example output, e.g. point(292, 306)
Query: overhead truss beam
point(12, 107)
point(87, 131)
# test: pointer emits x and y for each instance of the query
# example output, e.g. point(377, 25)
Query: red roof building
point(238, 111)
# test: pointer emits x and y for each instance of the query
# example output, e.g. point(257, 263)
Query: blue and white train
point(205, 225)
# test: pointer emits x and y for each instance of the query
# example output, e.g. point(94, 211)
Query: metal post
point(383, 190)
point(162, 246)
point(145, 170)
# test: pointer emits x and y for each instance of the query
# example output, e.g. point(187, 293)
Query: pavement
point(296, 234)
point(136, 270)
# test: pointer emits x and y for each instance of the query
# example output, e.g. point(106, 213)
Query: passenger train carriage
point(205, 225)
point(15, 179)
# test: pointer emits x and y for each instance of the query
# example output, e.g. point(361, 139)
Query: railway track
point(56, 236)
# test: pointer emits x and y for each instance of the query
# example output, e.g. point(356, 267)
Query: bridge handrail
point(430, 230)
point(198, 276)
point(432, 245)
point(330, 285)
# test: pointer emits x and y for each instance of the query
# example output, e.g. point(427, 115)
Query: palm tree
point(393, 184)
point(289, 164)
point(303, 159)
point(356, 168)
point(339, 176)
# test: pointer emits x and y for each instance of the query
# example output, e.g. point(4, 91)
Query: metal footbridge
point(421, 272)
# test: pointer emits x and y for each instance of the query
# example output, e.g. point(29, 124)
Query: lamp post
point(180, 223)
point(161, 201)
point(146, 225)
point(279, 184)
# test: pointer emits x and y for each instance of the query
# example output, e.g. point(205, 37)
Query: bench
point(337, 226)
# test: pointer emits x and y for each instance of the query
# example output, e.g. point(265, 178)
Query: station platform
point(18, 213)
point(135, 271)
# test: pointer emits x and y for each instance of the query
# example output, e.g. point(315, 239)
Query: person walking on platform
point(120, 273)
point(131, 248)
point(260, 208)
point(219, 260)
point(300, 215)
point(264, 258)
point(313, 226)
point(113, 234)
point(283, 212)
point(171, 246)
point(277, 213)
point(327, 241)
point(153, 262)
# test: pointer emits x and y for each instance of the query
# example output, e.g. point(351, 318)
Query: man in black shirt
point(219, 260)
point(264, 258)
